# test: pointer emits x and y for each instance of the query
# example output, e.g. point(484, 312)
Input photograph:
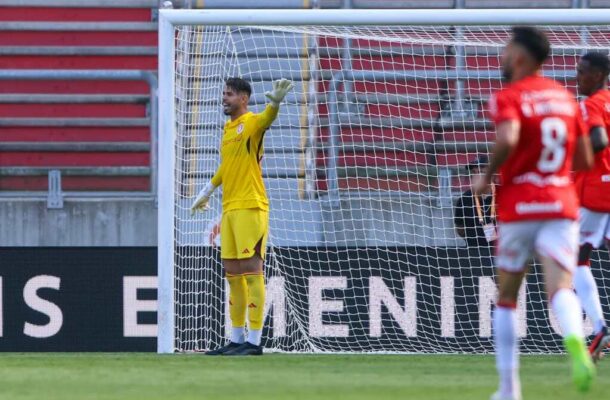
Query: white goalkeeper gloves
point(202, 199)
point(279, 91)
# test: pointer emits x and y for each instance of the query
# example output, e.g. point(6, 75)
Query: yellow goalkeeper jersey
point(241, 152)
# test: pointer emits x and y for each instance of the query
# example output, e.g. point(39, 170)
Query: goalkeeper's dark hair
point(598, 61)
point(533, 40)
point(239, 85)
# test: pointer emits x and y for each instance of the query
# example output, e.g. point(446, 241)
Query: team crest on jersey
point(240, 128)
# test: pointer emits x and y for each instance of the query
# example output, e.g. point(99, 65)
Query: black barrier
point(78, 299)
point(103, 299)
point(471, 294)
point(360, 281)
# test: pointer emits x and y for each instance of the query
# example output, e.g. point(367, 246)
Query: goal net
point(363, 167)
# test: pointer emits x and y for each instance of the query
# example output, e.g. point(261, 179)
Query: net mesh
point(363, 168)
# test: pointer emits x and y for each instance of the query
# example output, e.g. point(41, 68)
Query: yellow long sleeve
point(217, 178)
point(266, 118)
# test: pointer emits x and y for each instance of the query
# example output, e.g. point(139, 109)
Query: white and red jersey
point(535, 180)
point(593, 186)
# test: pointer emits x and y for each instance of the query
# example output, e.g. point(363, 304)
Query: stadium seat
point(97, 133)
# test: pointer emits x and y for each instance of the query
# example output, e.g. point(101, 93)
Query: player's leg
point(514, 250)
point(593, 227)
point(505, 335)
point(238, 296)
point(556, 246)
point(237, 285)
point(251, 244)
point(253, 272)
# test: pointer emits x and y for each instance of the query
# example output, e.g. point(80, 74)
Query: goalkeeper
point(245, 210)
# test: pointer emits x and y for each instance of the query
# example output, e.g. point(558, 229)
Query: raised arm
point(266, 118)
point(275, 96)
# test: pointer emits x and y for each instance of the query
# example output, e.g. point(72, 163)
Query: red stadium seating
point(386, 167)
point(50, 130)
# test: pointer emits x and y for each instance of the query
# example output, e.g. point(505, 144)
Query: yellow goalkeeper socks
point(256, 306)
point(238, 295)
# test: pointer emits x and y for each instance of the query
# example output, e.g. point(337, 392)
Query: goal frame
point(168, 19)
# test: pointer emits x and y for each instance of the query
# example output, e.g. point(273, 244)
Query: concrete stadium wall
point(389, 221)
point(82, 222)
point(384, 221)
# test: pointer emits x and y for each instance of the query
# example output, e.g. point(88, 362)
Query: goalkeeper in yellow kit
point(245, 210)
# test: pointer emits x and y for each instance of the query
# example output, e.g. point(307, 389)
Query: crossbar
point(515, 16)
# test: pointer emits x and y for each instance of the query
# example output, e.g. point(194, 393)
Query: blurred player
point(594, 189)
point(245, 214)
point(539, 134)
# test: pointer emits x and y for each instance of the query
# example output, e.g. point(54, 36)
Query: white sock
point(586, 289)
point(568, 312)
point(507, 357)
point(238, 335)
point(254, 336)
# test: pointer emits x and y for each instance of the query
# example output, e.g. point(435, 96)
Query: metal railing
point(228, 4)
point(336, 120)
point(458, 107)
point(81, 3)
point(123, 75)
point(444, 4)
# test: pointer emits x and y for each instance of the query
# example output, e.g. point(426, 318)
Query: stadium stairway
point(96, 132)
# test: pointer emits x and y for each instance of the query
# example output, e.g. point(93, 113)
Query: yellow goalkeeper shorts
point(243, 233)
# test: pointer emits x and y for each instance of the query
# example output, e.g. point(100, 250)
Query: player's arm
point(276, 96)
point(203, 198)
point(266, 118)
point(583, 156)
point(593, 118)
point(599, 138)
point(504, 111)
point(507, 137)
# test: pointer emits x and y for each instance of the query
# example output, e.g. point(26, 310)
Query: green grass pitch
point(279, 376)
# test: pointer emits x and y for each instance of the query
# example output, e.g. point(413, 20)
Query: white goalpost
point(363, 168)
